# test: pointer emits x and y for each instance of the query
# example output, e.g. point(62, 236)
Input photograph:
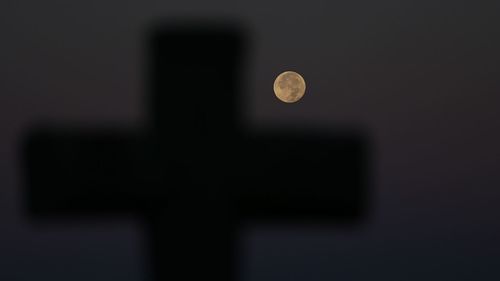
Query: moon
point(289, 87)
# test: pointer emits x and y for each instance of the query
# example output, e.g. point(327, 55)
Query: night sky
point(420, 78)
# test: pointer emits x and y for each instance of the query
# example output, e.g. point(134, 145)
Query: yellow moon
point(289, 87)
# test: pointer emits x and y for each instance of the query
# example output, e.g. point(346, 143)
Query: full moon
point(289, 87)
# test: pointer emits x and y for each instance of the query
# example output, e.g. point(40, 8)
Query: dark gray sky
point(422, 77)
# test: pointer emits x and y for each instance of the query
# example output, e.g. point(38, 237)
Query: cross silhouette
point(196, 172)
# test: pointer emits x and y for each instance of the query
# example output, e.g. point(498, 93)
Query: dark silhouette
point(197, 172)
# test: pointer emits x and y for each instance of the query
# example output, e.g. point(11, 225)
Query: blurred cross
point(195, 173)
